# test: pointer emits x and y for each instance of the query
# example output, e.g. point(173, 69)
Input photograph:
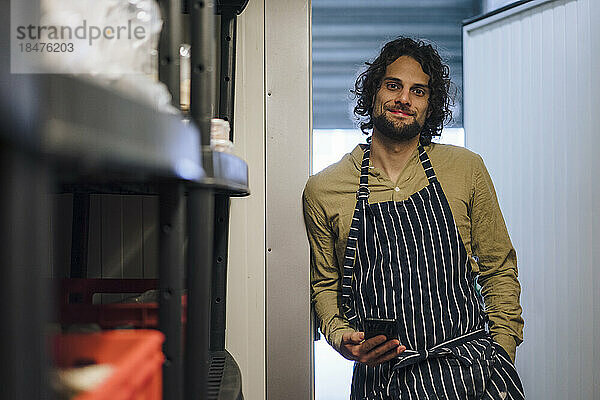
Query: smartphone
point(379, 326)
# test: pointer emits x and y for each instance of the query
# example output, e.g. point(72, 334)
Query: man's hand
point(371, 352)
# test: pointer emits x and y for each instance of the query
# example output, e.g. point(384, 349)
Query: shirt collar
point(357, 155)
point(358, 152)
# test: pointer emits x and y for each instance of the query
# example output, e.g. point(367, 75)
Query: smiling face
point(402, 100)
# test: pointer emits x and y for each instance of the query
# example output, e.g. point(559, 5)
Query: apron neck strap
point(363, 189)
point(426, 163)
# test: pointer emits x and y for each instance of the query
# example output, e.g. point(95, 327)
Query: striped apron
point(406, 261)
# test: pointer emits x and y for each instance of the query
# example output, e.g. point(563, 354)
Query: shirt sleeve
point(497, 262)
point(324, 275)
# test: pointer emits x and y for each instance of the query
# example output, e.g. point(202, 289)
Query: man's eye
point(419, 92)
point(392, 86)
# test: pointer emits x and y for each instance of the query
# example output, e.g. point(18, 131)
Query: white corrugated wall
point(532, 89)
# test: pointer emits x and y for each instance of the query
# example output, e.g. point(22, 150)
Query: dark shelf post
point(219, 288)
point(200, 201)
point(228, 11)
point(80, 228)
point(200, 258)
point(171, 277)
point(203, 65)
point(227, 75)
point(24, 275)
point(171, 38)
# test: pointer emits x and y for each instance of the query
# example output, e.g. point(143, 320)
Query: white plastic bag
point(115, 43)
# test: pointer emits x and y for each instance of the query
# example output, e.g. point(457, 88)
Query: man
point(406, 229)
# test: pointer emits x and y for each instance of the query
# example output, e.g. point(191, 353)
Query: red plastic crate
point(135, 355)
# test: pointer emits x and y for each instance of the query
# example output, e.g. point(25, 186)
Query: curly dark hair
point(368, 83)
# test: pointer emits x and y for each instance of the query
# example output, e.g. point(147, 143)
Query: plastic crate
point(138, 315)
point(135, 355)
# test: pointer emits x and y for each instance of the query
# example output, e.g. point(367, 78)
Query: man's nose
point(403, 97)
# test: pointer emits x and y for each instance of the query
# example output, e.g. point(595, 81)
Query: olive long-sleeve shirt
point(329, 201)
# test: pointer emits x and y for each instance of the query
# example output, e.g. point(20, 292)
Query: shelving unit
point(66, 134)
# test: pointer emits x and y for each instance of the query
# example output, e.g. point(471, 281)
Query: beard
point(398, 133)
